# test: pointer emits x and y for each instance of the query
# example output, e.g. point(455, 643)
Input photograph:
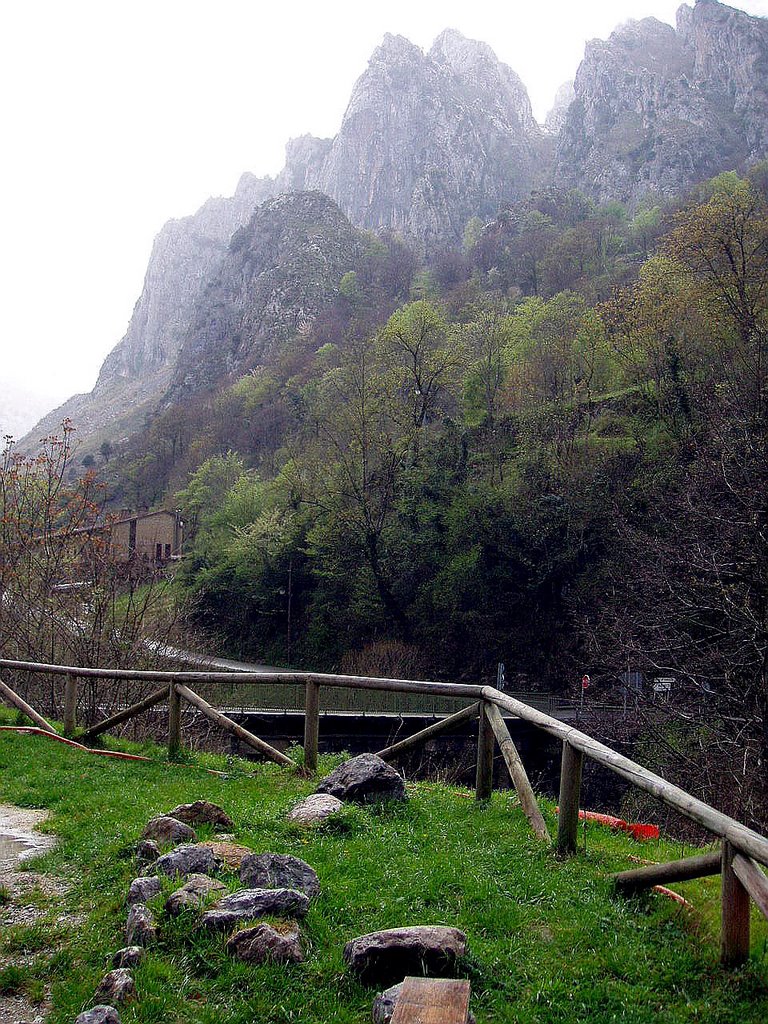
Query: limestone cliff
point(139, 369)
point(657, 109)
point(427, 142)
point(280, 270)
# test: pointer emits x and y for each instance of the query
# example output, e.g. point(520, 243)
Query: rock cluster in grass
point(272, 886)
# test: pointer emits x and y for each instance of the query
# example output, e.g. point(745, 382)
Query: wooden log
point(246, 678)
point(432, 1001)
point(734, 929)
point(570, 792)
point(753, 880)
point(123, 716)
point(20, 704)
point(745, 839)
point(444, 725)
point(311, 726)
point(628, 882)
point(70, 705)
point(237, 730)
point(517, 773)
point(174, 720)
point(485, 745)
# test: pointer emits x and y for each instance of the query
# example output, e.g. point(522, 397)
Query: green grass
point(548, 941)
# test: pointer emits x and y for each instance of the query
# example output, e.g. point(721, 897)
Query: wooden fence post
point(70, 705)
point(734, 931)
point(311, 726)
point(21, 705)
point(174, 721)
point(485, 745)
point(570, 792)
point(517, 773)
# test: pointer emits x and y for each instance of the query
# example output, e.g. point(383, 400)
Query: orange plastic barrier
point(639, 832)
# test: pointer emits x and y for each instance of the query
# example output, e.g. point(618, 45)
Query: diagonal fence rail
point(743, 850)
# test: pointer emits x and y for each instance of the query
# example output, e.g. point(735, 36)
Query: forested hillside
point(547, 449)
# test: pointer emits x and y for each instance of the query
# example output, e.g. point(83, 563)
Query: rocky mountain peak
point(396, 49)
point(555, 119)
point(657, 109)
point(479, 68)
point(427, 141)
point(280, 270)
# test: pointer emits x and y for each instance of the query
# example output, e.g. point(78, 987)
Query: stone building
point(152, 537)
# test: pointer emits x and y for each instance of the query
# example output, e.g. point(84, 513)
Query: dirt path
point(25, 898)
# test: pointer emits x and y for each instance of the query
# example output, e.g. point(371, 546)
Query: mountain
point(428, 142)
point(138, 371)
point(657, 109)
point(20, 409)
point(279, 272)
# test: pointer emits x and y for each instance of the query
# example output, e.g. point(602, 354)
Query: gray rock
point(250, 904)
point(278, 871)
point(192, 895)
point(140, 929)
point(457, 108)
point(315, 809)
point(364, 779)
point(147, 851)
point(143, 889)
point(185, 254)
point(118, 986)
point(129, 956)
point(164, 829)
point(99, 1015)
point(386, 956)
point(658, 109)
point(264, 943)
point(385, 1002)
point(202, 812)
point(187, 860)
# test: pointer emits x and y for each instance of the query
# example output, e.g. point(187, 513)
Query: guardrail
point(742, 849)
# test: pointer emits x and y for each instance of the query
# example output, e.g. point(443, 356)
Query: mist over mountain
point(428, 142)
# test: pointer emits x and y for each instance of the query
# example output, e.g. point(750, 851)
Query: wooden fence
point(739, 861)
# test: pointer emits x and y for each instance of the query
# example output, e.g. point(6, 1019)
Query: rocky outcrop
point(657, 109)
point(138, 370)
point(427, 141)
point(279, 272)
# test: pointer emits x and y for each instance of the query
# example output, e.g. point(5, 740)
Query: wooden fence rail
point(742, 849)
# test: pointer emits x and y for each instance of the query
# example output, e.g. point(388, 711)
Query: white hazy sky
point(118, 114)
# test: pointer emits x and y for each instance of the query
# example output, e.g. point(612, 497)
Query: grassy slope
point(548, 941)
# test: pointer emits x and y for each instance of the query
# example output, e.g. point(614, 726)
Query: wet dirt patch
point(28, 897)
